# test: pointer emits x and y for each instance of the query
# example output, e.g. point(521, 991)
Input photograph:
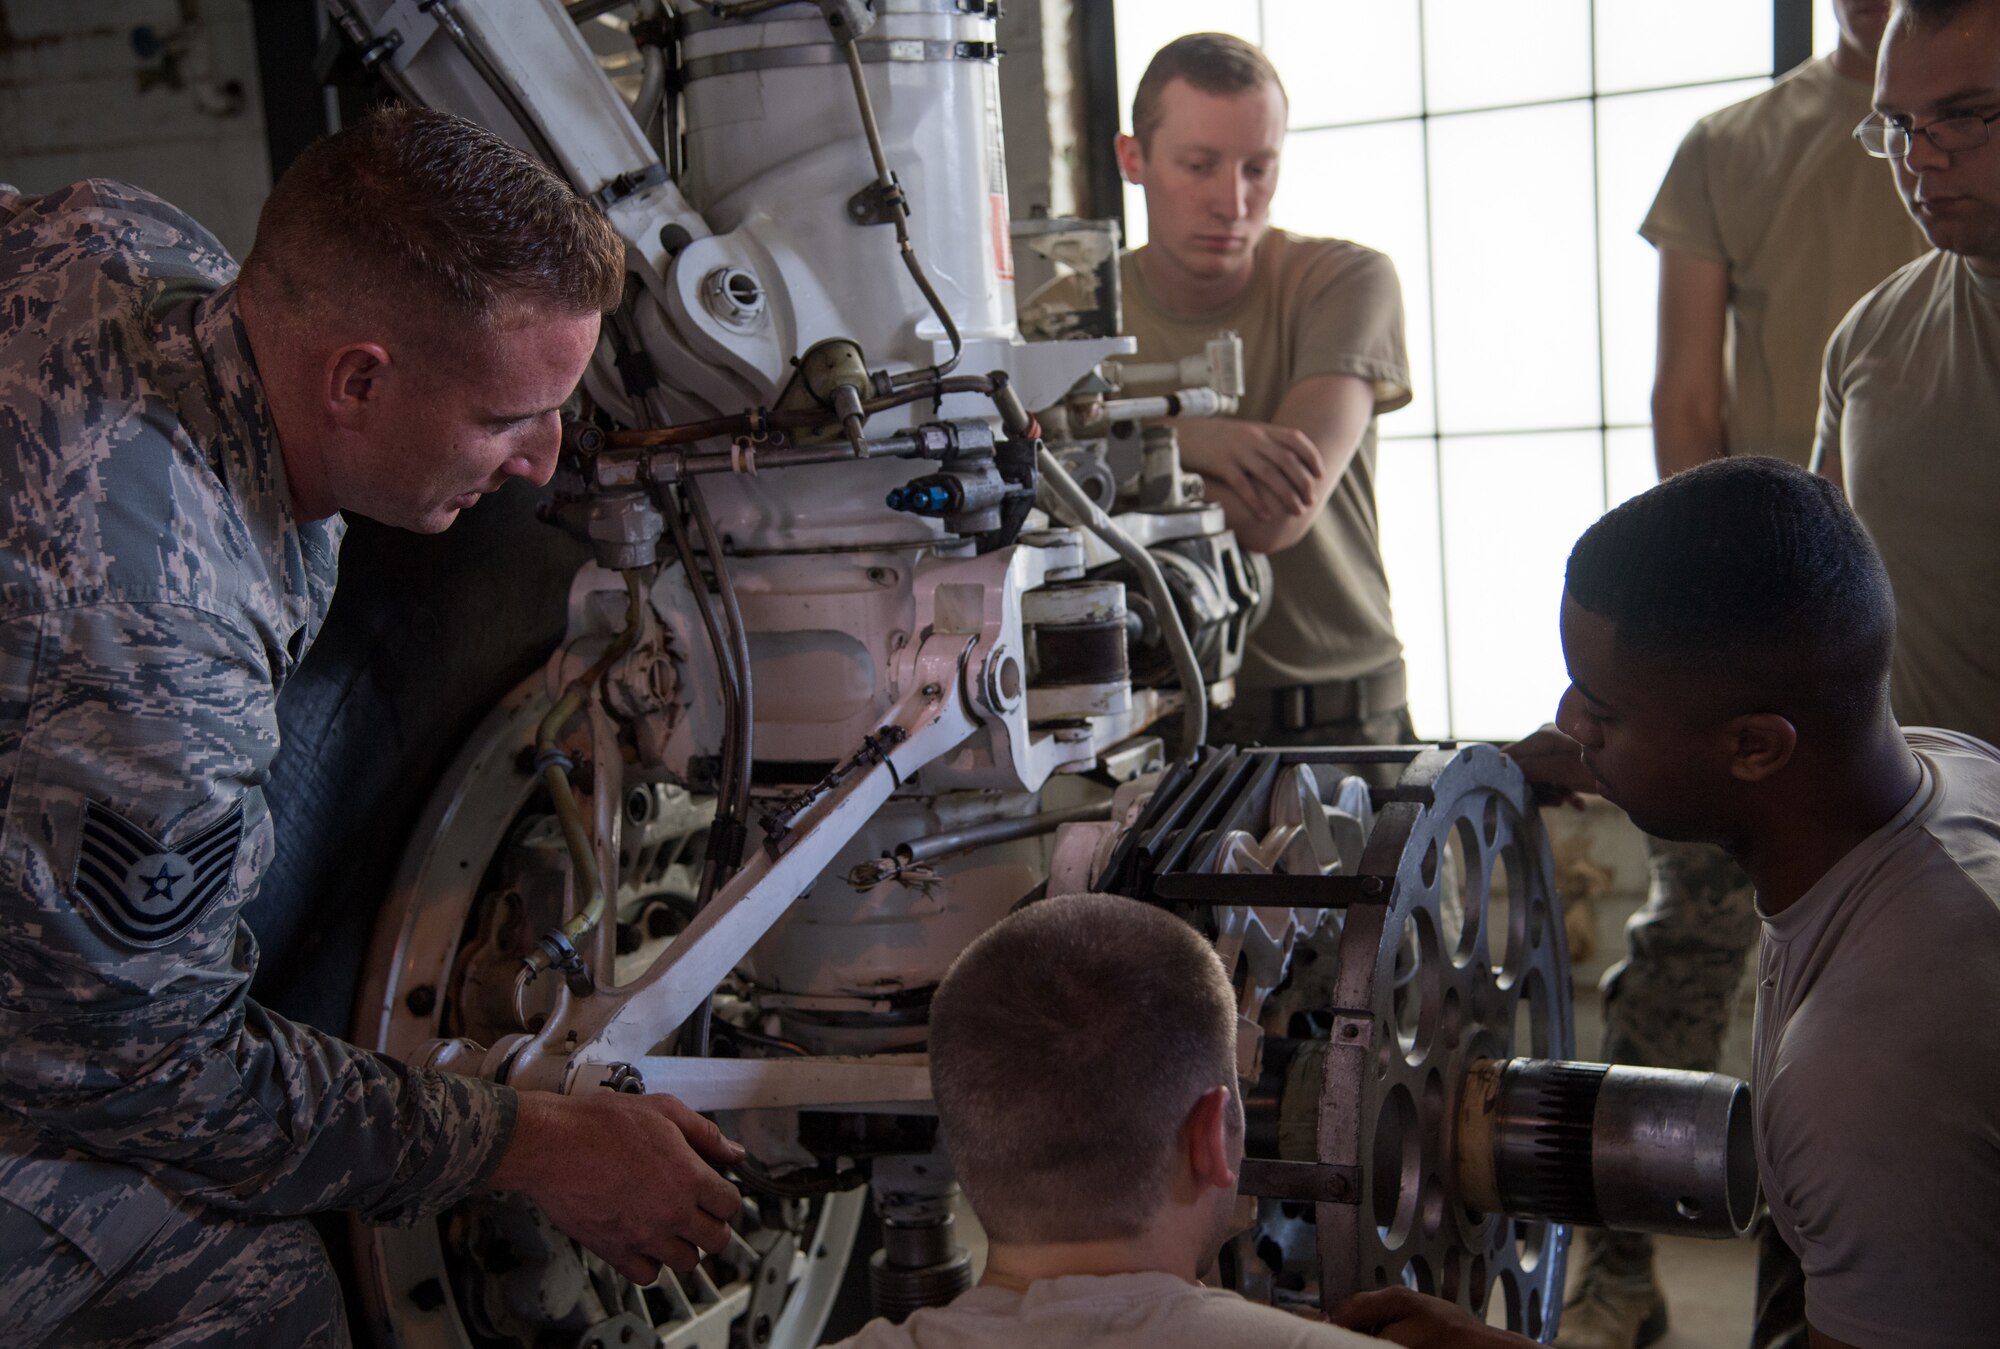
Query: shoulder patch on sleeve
point(149, 893)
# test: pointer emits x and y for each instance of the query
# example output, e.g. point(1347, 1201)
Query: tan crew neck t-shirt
point(1877, 1099)
point(1912, 412)
point(1776, 190)
point(1107, 1311)
point(1313, 307)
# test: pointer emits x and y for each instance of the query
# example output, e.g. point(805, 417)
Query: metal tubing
point(724, 651)
point(996, 831)
point(555, 776)
point(739, 641)
point(785, 419)
point(887, 181)
point(1185, 403)
point(441, 11)
point(652, 94)
point(733, 785)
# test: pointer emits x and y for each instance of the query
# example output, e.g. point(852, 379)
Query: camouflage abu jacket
point(155, 592)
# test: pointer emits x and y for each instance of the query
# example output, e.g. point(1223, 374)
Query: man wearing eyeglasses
point(1911, 397)
point(1770, 223)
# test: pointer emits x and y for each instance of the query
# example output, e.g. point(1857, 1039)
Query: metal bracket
point(1304, 1182)
point(563, 958)
point(874, 749)
point(878, 203)
point(625, 184)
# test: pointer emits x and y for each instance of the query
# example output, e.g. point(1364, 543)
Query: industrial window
point(1503, 156)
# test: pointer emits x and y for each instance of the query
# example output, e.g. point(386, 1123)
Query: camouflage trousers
point(1669, 1002)
point(96, 1256)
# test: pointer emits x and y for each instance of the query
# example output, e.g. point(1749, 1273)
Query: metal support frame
point(623, 1024)
point(1449, 950)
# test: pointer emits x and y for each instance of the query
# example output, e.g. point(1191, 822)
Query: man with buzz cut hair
point(1728, 635)
point(1770, 223)
point(1323, 355)
point(420, 301)
point(1083, 1056)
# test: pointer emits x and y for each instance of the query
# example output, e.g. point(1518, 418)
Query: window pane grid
point(1528, 294)
point(1295, 128)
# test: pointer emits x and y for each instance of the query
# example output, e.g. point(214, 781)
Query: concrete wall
point(161, 93)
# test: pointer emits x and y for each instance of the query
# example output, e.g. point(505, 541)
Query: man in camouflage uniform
point(178, 445)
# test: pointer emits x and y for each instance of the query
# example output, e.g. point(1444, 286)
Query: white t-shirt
point(1114, 1311)
point(1878, 1068)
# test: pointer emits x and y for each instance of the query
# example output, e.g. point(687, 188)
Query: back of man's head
point(1752, 576)
point(1068, 1045)
point(1215, 63)
point(417, 215)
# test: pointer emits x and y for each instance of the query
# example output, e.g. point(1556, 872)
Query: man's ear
point(1762, 744)
point(1131, 159)
point(353, 383)
point(1211, 1137)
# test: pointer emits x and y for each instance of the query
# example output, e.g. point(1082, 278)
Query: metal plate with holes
point(1382, 942)
point(1468, 960)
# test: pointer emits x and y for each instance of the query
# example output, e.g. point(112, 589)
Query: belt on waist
point(1298, 706)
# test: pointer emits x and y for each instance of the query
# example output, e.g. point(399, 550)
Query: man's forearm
point(1689, 380)
point(1686, 433)
point(1293, 462)
point(1260, 534)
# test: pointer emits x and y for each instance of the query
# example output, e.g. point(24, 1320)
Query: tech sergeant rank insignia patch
point(145, 891)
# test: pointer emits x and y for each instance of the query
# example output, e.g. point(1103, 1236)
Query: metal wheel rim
point(1393, 1076)
point(404, 1272)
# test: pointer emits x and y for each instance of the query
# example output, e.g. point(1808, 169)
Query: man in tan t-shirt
point(1728, 637)
point(1770, 223)
point(1322, 328)
point(1912, 386)
point(1083, 1056)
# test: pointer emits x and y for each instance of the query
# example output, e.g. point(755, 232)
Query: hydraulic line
point(996, 831)
point(739, 641)
point(554, 766)
point(672, 466)
point(652, 94)
point(756, 423)
point(732, 656)
point(899, 214)
point(1187, 666)
point(725, 663)
point(441, 11)
point(910, 853)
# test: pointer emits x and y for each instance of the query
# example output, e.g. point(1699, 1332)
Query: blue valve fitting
point(920, 499)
